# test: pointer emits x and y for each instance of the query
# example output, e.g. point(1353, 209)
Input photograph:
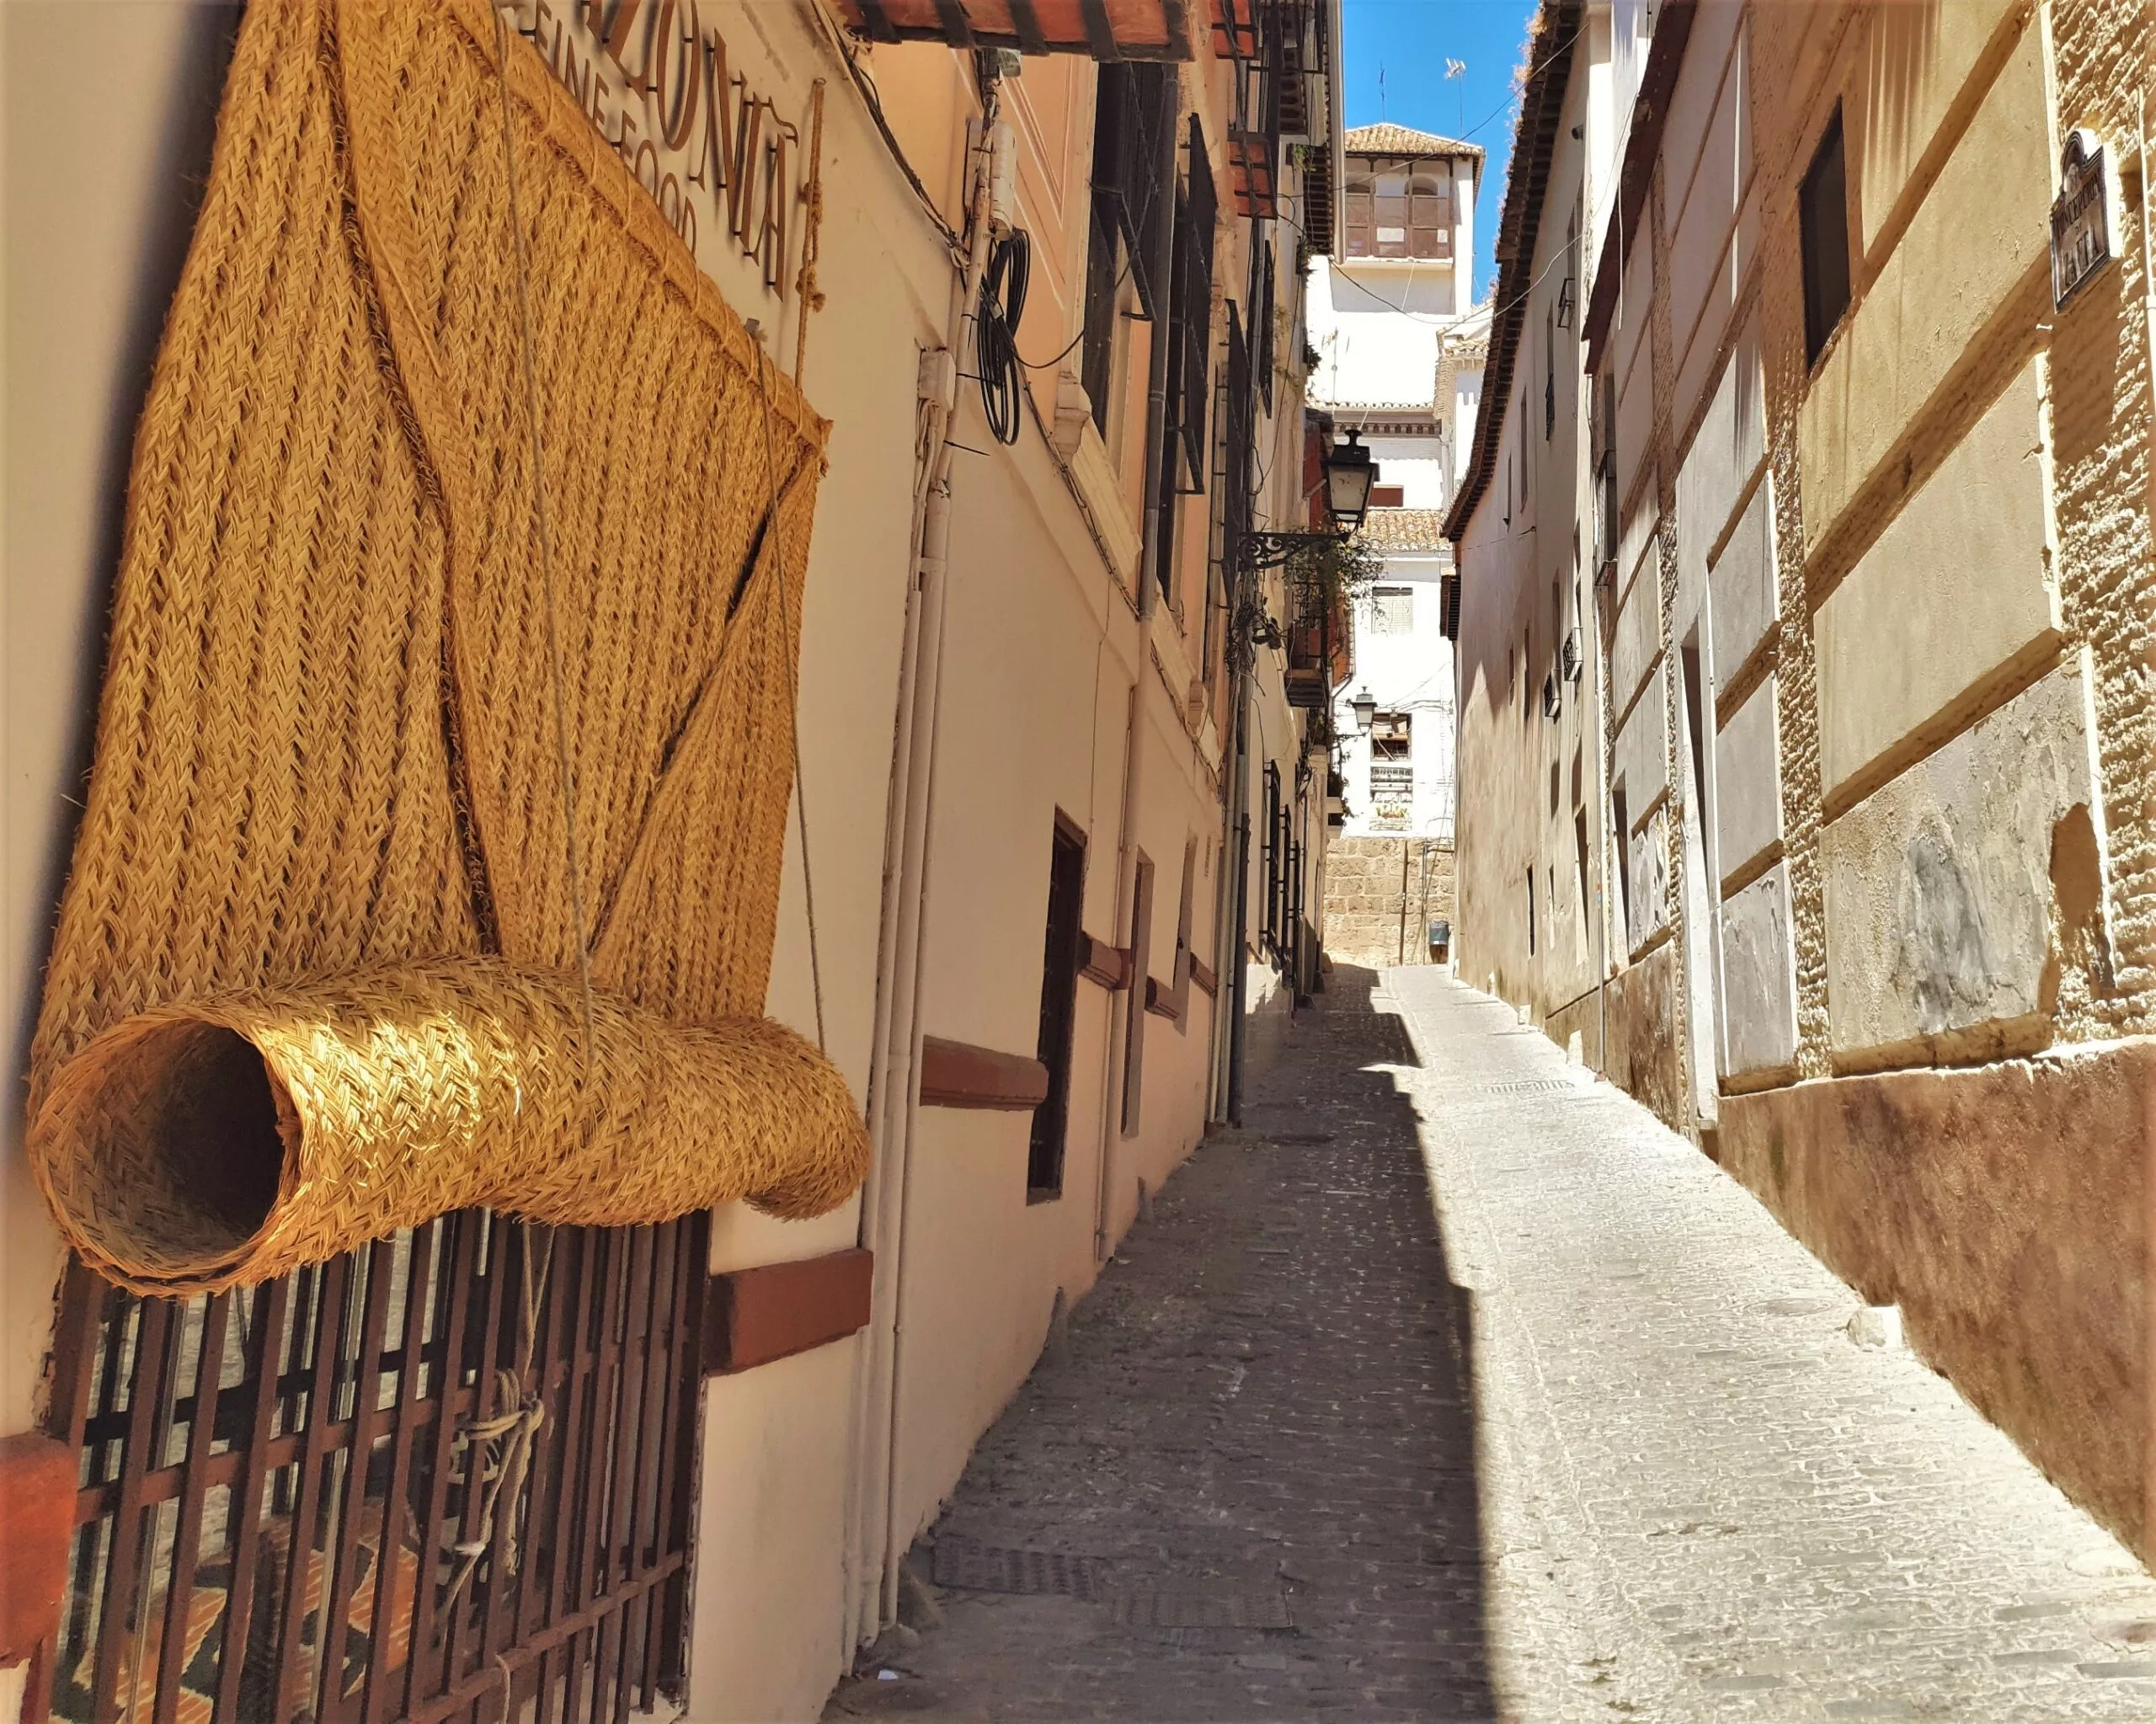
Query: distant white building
point(1400, 345)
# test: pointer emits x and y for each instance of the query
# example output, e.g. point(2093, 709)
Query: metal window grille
point(1133, 102)
point(282, 1486)
point(1272, 859)
point(1190, 312)
point(1130, 112)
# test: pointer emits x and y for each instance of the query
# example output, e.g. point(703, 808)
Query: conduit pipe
point(1160, 254)
point(875, 1549)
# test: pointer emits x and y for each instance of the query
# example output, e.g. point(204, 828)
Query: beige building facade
point(1031, 785)
point(1834, 852)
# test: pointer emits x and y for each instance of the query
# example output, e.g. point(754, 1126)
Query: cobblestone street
point(1596, 1445)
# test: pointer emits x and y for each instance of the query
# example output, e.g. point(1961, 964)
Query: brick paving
point(1587, 1439)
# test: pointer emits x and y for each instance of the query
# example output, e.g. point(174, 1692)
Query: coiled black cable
point(1002, 304)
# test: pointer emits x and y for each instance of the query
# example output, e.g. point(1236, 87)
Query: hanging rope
point(498, 1451)
point(766, 373)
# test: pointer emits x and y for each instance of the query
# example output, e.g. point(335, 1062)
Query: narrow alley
point(1600, 1444)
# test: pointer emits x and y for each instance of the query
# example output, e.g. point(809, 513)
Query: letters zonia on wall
point(653, 76)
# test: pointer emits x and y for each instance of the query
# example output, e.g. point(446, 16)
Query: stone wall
point(1364, 899)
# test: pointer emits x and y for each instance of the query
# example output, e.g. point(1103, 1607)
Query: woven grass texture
point(226, 1141)
point(326, 738)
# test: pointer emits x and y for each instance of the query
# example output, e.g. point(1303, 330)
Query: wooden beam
point(1175, 18)
point(1026, 24)
point(958, 1075)
point(1108, 965)
point(37, 1508)
point(1100, 33)
point(876, 21)
point(1160, 1001)
point(752, 1317)
point(957, 27)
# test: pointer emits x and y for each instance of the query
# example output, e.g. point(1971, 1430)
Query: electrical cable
point(1002, 304)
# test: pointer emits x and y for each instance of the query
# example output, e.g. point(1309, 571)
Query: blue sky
point(1409, 41)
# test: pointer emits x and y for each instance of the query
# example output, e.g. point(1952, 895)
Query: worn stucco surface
point(1759, 979)
point(2004, 1207)
point(1644, 1056)
point(1956, 590)
point(1939, 886)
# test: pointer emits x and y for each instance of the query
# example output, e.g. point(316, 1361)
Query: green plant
point(1339, 568)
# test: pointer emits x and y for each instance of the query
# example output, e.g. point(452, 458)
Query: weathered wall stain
point(1940, 960)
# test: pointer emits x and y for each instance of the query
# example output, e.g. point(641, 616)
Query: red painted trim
point(37, 1509)
point(752, 1317)
point(958, 1075)
point(1106, 964)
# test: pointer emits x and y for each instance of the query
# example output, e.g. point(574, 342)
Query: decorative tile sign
point(2081, 217)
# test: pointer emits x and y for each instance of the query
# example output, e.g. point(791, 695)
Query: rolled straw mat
point(234, 1139)
point(306, 982)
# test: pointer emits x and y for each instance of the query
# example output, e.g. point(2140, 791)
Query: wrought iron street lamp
point(1366, 710)
point(1349, 473)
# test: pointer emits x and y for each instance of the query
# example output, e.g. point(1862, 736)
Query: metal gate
point(447, 1476)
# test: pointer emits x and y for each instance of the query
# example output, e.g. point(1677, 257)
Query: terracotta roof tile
point(1404, 530)
point(1387, 139)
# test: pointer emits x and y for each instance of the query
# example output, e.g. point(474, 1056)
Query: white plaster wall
point(1417, 466)
point(1369, 349)
point(1748, 780)
point(97, 215)
point(1746, 596)
point(1957, 586)
point(1411, 673)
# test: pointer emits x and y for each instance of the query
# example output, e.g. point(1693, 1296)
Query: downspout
point(1161, 260)
point(895, 1097)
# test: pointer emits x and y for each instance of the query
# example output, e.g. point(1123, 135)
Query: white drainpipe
point(877, 1544)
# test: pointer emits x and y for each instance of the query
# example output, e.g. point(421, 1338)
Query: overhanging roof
point(1104, 29)
point(1658, 83)
point(1388, 140)
point(1541, 108)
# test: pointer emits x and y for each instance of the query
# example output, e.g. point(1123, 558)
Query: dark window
point(1620, 817)
point(1549, 372)
point(1238, 444)
point(1190, 317)
point(1530, 912)
point(1133, 1025)
point(1066, 892)
point(1273, 860)
point(1360, 243)
point(1398, 211)
point(1131, 109)
point(1579, 854)
point(1824, 221)
point(1103, 265)
point(1429, 216)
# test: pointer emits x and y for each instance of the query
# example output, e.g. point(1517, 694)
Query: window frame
point(1823, 252)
